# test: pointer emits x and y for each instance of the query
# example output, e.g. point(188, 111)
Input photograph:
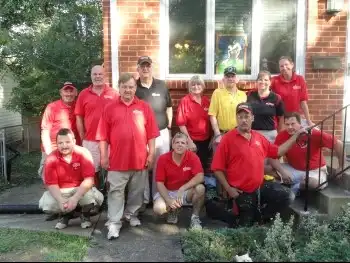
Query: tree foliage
point(46, 43)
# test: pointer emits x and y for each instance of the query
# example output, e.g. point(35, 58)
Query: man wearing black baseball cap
point(238, 164)
point(155, 92)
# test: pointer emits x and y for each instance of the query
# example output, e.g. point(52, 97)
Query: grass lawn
point(24, 170)
point(25, 245)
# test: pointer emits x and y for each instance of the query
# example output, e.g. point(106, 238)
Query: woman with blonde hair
point(193, 119)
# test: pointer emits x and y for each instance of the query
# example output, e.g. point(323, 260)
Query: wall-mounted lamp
point(334, 6)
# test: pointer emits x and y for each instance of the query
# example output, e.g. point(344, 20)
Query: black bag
point(220, 209)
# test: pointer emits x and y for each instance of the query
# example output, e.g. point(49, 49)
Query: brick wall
point(326, 35)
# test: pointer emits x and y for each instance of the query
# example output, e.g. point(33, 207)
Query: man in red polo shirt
point(89, 109)
point(238, 164)
point(57, 115)
point(69, 177)
point(179, 178)
point(127, 132)
point(294, 171)
point(292, 89)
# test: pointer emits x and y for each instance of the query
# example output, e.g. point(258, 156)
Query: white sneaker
point(113, 232)
point(133, 220)
point(62, 222)
point(172, 217)
point(85, 222)
point(196, 223)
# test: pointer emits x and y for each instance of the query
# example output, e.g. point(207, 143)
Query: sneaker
point(113, 231)
point(172, 217)
point(62, 222)
point(196, 223)
point(133, 220)
point(85, 221)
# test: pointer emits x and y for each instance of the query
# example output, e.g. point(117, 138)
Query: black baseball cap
point(144, 59)
point(230, 70)
point(244, 106)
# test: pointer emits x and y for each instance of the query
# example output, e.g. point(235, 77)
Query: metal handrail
point(342, 170)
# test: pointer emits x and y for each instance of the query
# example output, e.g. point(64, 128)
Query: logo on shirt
point(206, 109)
point(296, 87)
point(257, 143)
point(155, 95)
point(269, 104)
point(76, 166)
point(108, 97)
point(137, 112)
point(186, 169)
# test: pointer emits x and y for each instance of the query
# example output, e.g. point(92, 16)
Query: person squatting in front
point(128, 128)
point(179, 179)
point(69, 177)
point(238, 164)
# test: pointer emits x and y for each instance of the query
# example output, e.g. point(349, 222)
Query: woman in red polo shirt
point(267, 108)
point(292, 89)
point(193, 119)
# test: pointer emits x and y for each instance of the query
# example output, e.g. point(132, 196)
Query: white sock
point(194, 216)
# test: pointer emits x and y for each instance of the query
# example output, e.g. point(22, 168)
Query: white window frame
point(210, 41)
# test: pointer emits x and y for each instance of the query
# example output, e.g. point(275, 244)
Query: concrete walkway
point(154, 241)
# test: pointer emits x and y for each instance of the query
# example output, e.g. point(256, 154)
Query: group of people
point(129, 134)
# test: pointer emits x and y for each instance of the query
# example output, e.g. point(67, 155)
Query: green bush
point(222, 244)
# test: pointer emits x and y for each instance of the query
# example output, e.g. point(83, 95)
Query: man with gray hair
point(179, 178)
point(127, 132)
point(155, 92)
point(88, 111)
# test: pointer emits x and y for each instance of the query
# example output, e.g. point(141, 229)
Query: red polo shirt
point(195, 117)
point(58, 115)
point(90, 106)
point(243, 160)
point(174, 176)
point(59, 172)
point(296, 156)
point(127, 129)
point(292, 92)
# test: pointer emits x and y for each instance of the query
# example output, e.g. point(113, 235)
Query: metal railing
point(321, 125)
point(13, 140)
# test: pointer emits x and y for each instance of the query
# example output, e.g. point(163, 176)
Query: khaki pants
point(94, 149)
point(136, 181)
point(49, 204)
point(162, 145)
point(41, 165)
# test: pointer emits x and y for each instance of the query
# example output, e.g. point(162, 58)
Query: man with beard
point(179, 178)
point(238, 164)
point(88, 110)
point(69, 177)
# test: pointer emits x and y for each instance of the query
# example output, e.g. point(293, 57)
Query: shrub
point(220, 245)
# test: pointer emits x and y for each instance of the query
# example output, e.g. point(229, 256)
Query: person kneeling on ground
point(69, 177)
point(238, 164)
point(179, 178)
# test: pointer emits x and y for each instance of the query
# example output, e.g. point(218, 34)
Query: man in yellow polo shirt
point(222, 110)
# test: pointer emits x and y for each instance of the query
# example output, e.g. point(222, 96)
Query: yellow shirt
point(223, 106)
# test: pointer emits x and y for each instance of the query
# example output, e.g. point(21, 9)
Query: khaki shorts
point(49, 204)
point(94, 148)
point(173, 195)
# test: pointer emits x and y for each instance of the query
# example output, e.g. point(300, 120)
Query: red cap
point(68, 85)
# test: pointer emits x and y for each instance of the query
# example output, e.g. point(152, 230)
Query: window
point(206, 36)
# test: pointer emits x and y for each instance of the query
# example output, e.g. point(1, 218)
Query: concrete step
point(331, 199)
point(297, 210)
